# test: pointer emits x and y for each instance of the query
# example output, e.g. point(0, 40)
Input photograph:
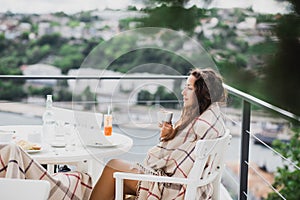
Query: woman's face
point(188, 93)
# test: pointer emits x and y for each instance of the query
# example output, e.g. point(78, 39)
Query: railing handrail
point(262, 103)
point(230, 89)
point(128, 76)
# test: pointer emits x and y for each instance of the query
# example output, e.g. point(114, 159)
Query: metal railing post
point(244, 150)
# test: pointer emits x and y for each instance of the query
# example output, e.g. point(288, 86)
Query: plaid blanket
point(176, 157)
point(16, 163)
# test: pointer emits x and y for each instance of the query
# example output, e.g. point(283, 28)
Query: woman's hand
point(166, 132)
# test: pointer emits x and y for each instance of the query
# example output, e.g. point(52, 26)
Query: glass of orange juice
point(108, 125)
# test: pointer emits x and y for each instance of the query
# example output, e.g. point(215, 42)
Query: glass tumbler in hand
point(165, 123)
point(164, 116)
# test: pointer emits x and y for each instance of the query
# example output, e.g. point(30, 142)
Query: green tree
point(282, 71)
point(64, 95)
point(173, 17)
point(10, 90)
point(34, 91)
point(144, 96)
point(69, 62)
point(165, 96)
point(55, 40)
point(85, 16)
point(37, 53)
point(143, 56)
point(90, 45)
point(287, 178)
point(89, 99)
point(176, 2)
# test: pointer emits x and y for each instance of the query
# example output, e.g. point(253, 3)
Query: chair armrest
point(163, 179)
point(120, 176)
point(151, 178)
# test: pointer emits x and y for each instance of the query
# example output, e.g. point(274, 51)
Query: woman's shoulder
point(211, 113)
point(209, 121)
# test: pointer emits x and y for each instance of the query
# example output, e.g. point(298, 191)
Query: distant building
point(248, 24)
point(24, 27)
point(41, 69)
point(44, 29)
point(265, 29)
point(116, 88)
point(208, 27)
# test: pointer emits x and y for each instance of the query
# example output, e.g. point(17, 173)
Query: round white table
point(86, 158)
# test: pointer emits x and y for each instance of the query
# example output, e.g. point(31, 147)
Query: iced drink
point(107, 125)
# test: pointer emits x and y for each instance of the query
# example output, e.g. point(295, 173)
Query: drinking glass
point(107, 125)
point(70, 137)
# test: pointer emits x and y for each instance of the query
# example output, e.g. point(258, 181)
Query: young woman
point(173, 156)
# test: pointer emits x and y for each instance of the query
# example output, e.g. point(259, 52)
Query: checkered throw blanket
point(176, 158)
point(16, 163)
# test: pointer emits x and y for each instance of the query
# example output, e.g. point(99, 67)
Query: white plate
point(58, 144)
point(33, 151)
point(101, 145)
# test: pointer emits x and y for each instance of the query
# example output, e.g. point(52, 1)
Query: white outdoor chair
point(25, 189)
point(209, 153)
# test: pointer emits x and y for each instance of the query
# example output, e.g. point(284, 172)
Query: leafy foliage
point(282, 71)
point(11, 91)
point(287, 179)
point(33, 91)
point(143, 56)
point(173, 17)
point(172, 2)
point(146, 98)
point(89, 98)
point(55, 40)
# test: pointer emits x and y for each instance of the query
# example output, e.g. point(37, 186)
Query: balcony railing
point(245, 128)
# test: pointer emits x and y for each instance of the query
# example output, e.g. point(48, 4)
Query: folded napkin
point(16, 163)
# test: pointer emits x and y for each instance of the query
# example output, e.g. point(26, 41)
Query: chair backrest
point(25, 189)
point(209, 161)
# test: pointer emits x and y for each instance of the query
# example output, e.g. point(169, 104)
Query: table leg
point(82, 166)
point(95, 168)
point(50, 168)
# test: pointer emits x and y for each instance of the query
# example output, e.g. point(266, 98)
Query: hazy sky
point(72, 6)
point(68, 6)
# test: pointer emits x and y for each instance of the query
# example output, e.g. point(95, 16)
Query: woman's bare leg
point(105, 187)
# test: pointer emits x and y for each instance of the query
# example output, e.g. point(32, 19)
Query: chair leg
point(119, 189)
point(130, 197)
point(190, 193)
